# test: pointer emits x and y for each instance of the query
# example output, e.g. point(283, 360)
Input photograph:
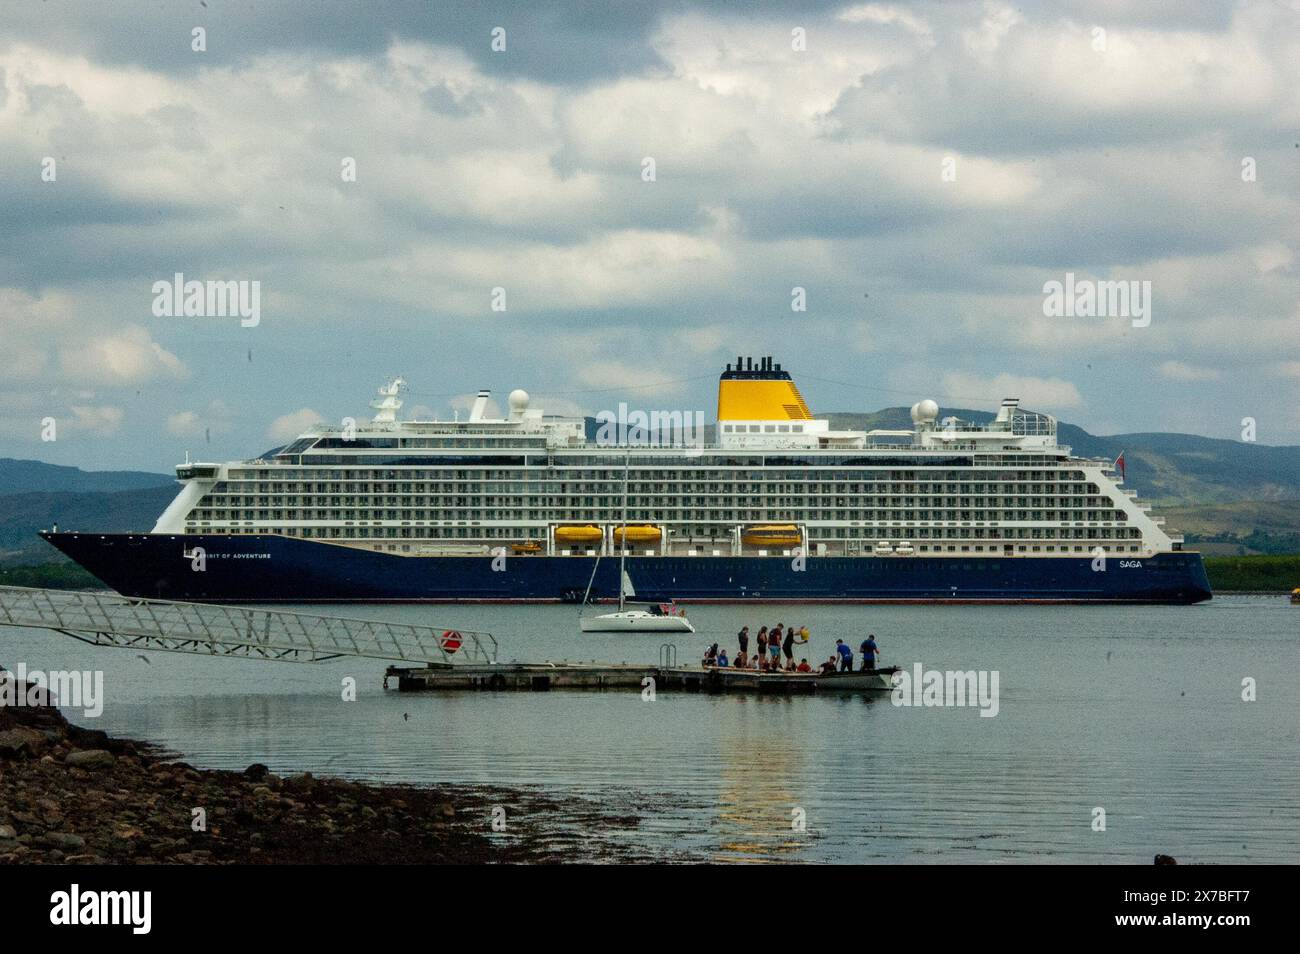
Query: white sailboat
point(656, 618)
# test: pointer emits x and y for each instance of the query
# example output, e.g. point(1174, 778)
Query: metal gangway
point(210, 629)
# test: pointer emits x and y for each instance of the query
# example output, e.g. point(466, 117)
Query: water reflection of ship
point(766, 780)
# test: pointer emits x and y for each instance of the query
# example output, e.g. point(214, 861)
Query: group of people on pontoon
point(780, 641)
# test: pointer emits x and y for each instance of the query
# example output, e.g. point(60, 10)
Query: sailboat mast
point(622, 541)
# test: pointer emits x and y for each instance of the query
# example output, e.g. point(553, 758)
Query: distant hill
point(34, 495)
point(1245, 528)
point(122, 511)
point(21, 476)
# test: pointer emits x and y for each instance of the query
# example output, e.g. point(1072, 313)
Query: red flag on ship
point(1119, 464)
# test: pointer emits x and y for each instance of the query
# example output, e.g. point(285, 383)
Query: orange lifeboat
point(579, 533)
point(638, 533)
point(772, 535)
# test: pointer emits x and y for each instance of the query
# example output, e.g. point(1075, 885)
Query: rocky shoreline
point(70, 795)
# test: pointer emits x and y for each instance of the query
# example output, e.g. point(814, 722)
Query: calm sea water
point(1137, 711)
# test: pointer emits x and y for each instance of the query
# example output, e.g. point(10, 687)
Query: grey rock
point(20, 738)
point(90, 759)
point(64, 839)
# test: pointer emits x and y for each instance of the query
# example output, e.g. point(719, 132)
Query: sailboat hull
point(635, 621)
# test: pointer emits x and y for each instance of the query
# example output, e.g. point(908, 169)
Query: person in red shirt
point(803, 666)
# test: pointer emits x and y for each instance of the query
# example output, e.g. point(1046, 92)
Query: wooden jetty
point(434, 658)
point(576, 675)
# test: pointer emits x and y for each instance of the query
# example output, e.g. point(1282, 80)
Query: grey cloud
point(573, 42)
point(489, 171)
point(441, 99)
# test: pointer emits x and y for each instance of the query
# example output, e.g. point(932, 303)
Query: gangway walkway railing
point(210, 629)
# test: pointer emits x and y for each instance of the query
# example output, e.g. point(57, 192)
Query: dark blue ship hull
point(271, 568)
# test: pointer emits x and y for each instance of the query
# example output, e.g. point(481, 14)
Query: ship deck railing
point(108, 619)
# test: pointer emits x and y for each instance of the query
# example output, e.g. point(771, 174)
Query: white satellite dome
point(925, 412)
point(916, 414)
point(518, 401)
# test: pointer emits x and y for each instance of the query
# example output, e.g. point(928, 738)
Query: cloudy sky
point(920, 170)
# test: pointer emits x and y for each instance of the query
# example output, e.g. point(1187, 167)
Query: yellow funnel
point(759, 391)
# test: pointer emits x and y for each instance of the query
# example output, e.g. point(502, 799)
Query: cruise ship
point(776, 506)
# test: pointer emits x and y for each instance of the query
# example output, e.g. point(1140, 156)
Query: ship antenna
point(388, 403)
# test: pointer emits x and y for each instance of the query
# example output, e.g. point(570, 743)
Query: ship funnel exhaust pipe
point(480, 405)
